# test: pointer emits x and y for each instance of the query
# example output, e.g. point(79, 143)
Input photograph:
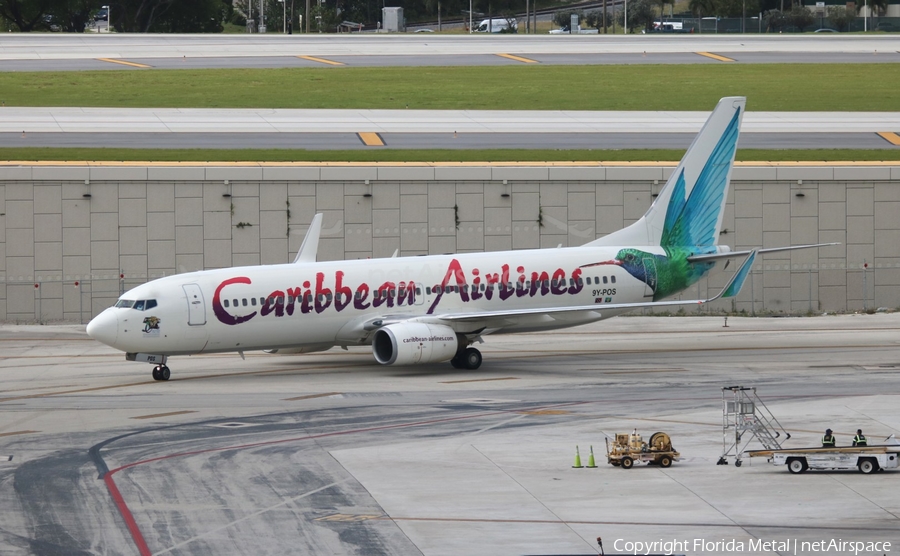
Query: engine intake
point(414, 342)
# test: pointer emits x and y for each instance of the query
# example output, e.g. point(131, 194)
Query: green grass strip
point(444, 155)
point(769, 87)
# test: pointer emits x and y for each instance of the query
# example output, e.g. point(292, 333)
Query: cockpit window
point(140, 305)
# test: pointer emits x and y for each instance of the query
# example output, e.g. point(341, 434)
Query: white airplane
point(428, 309)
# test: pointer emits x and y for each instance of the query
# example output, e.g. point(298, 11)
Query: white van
point(497, 25)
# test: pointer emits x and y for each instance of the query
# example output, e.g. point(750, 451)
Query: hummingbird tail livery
point(430, 309)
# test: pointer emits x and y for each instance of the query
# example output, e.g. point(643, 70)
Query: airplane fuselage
point(318, 305)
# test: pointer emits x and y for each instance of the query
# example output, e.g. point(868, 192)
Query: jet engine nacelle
point(414, 342)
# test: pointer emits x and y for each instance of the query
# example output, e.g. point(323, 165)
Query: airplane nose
point(104, 327)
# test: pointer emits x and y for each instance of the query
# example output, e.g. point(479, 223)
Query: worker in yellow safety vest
point(859, 439)
point(828, 439)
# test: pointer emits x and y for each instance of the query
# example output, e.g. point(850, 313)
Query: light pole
point(283, 17)
point(108, 18)
point(262, 17)
point(470, 17)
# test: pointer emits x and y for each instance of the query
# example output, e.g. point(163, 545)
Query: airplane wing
point(361, 329)
point(731, 289)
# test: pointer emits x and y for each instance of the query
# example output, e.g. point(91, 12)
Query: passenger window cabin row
point(147, 304)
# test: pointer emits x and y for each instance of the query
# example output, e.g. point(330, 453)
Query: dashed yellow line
point(479, 380)
point(349, 517)
point(321, 60)
point(448, 164)
point(715, 56)
point(154, 416)
point(890, 137)
point(124, 63)
point(312, 396)
point(370, 139)
point(518, 58)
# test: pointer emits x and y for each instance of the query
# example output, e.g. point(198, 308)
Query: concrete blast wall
point(108, 228)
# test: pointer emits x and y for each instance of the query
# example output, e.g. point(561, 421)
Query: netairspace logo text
point(752, 546)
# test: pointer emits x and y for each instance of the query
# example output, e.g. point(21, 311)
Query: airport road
point(39, 52)
point(437, 129)
point(330, 453)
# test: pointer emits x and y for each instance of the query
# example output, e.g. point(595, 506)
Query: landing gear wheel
point(457, 362)
point(156, 373)
point(164, 373)
point(471, 358)
point(627, 463)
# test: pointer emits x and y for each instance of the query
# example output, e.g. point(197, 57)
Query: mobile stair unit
point(746, 418)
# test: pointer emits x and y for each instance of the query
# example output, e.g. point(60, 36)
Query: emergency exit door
point(196, 306)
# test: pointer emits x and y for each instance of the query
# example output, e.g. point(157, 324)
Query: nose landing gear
point(161, 372)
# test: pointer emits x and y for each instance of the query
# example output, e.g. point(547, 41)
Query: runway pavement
point(403, 128)
point(331, 453)
point(437, 129)
point(133, 52)
point(430, 49)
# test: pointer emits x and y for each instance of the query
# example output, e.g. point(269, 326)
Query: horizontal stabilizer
point(733, 254)
point(310, 246)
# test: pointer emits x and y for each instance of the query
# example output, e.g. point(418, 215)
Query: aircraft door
point(650, 272)
point(196, 306)
point(420, 294)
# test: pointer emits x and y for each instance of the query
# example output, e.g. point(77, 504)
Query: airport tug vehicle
point(627, 449)
point(868, 459)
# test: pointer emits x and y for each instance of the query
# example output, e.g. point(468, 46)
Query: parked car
point(102, 14)
point(497, 25)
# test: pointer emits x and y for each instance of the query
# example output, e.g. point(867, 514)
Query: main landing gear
point(161, 372)
point(469, 358)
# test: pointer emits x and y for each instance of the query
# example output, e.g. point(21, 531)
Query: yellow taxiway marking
point(518, 59)
point(124, 63)
point(322, 60)
point(14, 433)
point(311, 396)
point(629, 372)
point(890, 137)
point(349, 517)
point(155, 415)
point(715, 56)
point(370, 139)
point(466, 164)
point(480, 380)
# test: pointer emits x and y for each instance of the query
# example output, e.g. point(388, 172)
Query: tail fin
point(688, 211)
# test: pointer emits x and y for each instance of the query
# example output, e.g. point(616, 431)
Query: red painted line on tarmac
point(135, 530)
point(126, 515)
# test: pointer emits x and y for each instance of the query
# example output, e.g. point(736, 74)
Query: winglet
point(310, 246)
point(737, 281)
